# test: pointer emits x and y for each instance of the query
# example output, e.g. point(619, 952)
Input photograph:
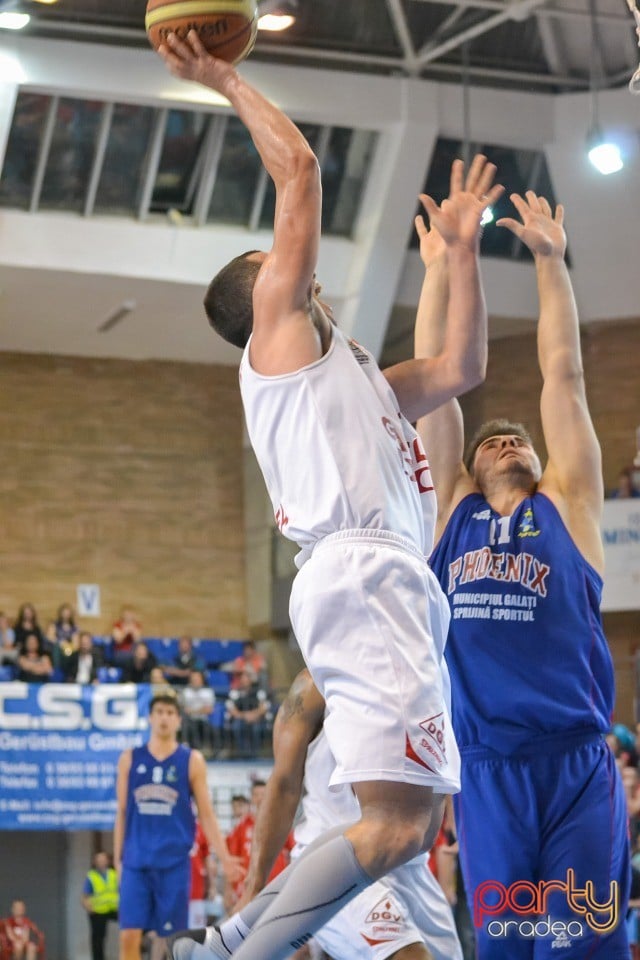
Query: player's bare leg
point(399, 820)
point(130, 943)
point(158, 948)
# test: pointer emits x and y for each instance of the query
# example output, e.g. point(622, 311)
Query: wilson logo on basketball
point(216, 29)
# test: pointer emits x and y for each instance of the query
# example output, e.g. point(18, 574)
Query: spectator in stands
point(631, 784)
point(249, 658)
point(137, 669)
point(50, 644)
point(198, 701)
point(67, 632)
point(626, 489)
point(203, 876)
point(8, 646)
point(247, 710)
point(34, 663)
point(26, 624)
point(184, 663)
point(239, 845)
point(22, 934)
point(125, 632)
point(157, 677)
point(623, 744)
point(83, 664)
point(240, 807)
point(100, 899)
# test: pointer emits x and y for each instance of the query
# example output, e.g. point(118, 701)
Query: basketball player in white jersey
point(405, 915)
point(349, 482)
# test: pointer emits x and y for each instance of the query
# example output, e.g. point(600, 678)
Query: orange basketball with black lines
point(227, 28)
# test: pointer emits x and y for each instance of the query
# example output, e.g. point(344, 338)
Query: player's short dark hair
point(165, 695)
point(494, 428)
point(228, 301)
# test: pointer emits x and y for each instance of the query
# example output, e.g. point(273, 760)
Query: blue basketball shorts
point(155, 899)
point(544, 851)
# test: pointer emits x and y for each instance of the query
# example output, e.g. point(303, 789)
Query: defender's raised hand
point(541, 230)
point(432, 245)
point(457, 219)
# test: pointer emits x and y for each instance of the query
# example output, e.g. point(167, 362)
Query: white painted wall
point(364, 277)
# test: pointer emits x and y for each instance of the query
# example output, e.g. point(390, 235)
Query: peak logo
point(523, 898)
point(561, 941)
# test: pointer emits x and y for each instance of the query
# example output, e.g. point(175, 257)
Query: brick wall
point(113, 473)
point(128, 475)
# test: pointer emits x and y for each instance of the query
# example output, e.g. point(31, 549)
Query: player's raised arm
point(423, 384)
point(286, 272)
point(573, 476)
point(442, 430)
point(297, 722)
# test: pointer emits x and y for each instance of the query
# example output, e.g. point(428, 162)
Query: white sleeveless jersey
point(323, 808)
point(335, 451)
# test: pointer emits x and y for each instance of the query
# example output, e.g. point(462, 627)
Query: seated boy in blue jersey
point(155, 828)
point(520, 558)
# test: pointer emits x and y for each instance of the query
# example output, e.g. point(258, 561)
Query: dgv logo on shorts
point(384, 922)
point(435, 741)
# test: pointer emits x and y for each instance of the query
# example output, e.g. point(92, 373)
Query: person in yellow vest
point(100, 900)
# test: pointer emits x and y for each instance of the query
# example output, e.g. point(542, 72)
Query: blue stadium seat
point(164, 648)
point(219, 681)
point(216, 717)
point(215, 652)
point(7, 672)
point(109, 674)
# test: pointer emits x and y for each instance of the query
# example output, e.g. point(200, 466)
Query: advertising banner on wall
point(621, 537)
point(59, 749)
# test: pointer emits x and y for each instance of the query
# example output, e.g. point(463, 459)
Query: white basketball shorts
point(371, 621)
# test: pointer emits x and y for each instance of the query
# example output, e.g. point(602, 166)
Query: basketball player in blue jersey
point(155, 827)
point(349, 482)
point(541, 815)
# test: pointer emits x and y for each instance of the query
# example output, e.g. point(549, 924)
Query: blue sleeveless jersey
point(160, 823)
point(526, 650)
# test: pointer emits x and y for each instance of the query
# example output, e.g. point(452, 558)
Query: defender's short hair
point(494, 428)
point(228, 301)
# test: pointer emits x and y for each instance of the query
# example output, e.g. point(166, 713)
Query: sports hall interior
point(124, 459)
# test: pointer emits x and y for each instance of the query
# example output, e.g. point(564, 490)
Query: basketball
point(226, 28)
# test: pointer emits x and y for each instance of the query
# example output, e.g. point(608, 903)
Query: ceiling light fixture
point(10, 20)
point(275, 22)
point(277, 15)
point(603, 154)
